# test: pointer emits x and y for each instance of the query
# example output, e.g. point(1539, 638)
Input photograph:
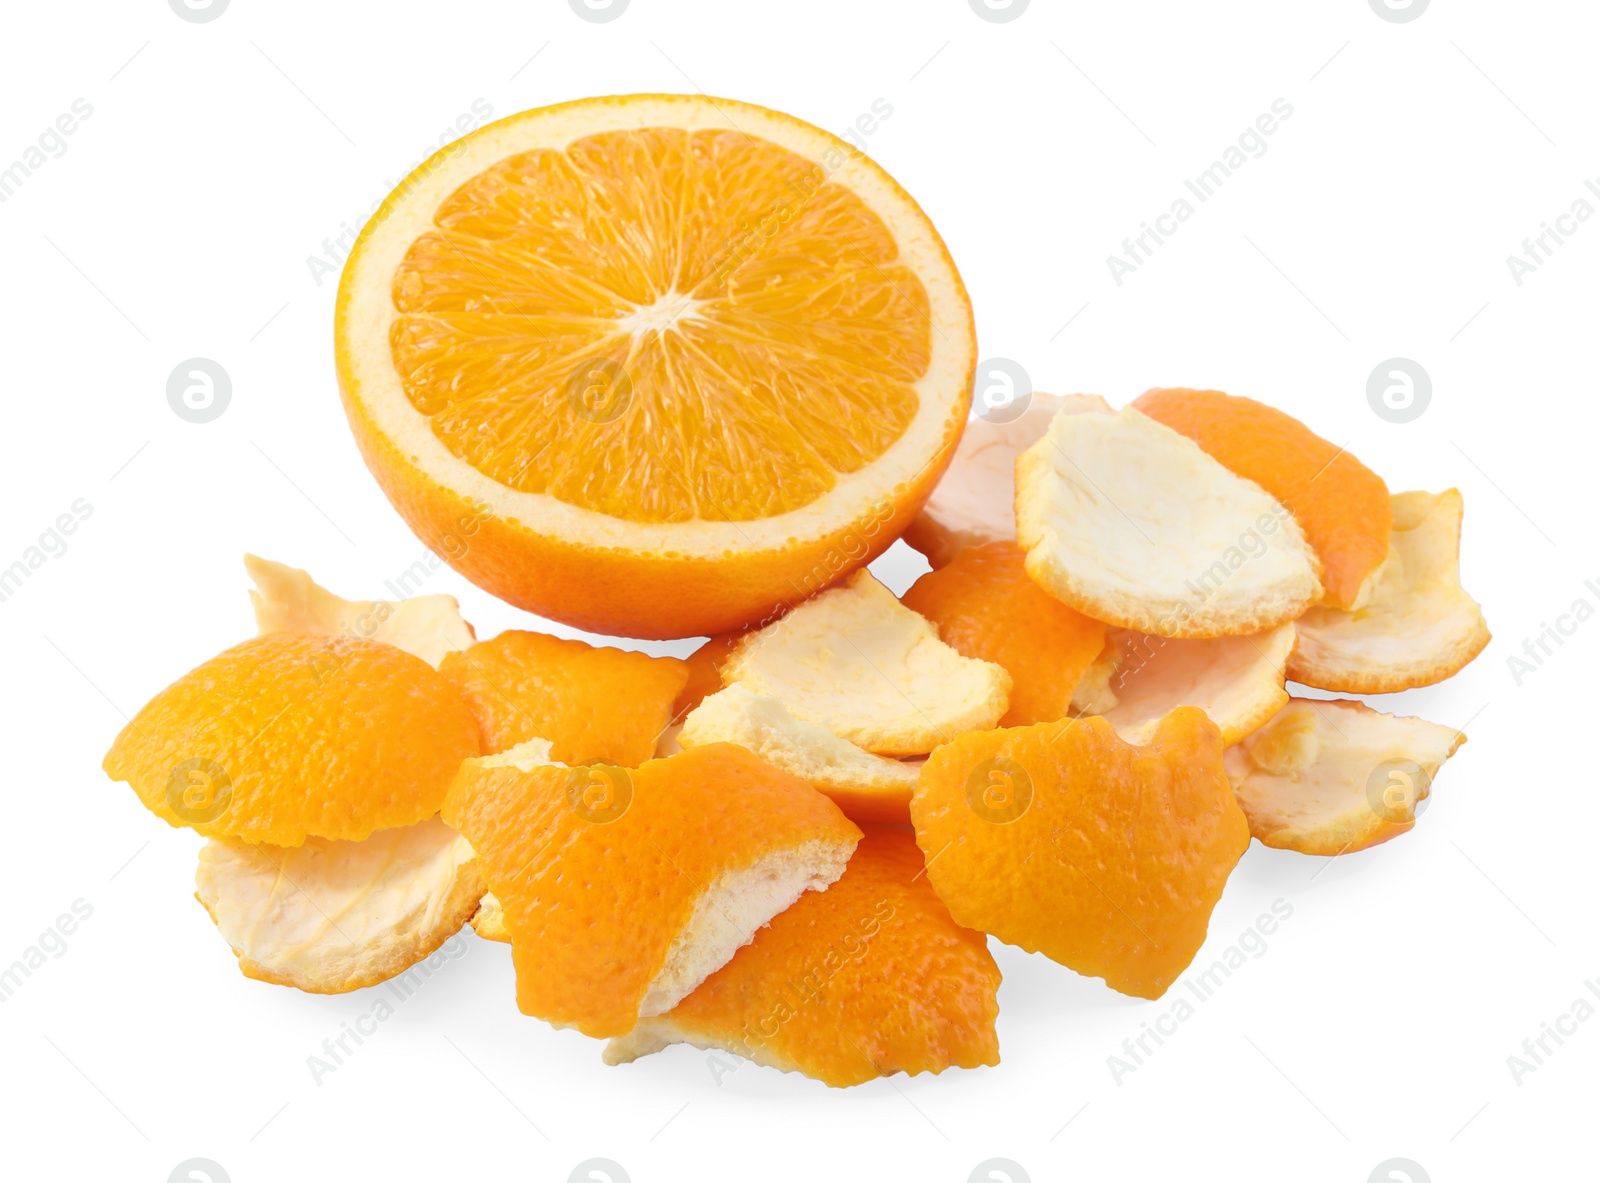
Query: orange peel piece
point(866, 979)
point(280, 739)
point(866, 787)
point(1064, 840)
point(1418, 625)
point(1237, 681)
point(1131, 523)
point(1333, 776)
point(329, 917)
point(489, 921)
point(705, 672)
point(287, 599)
point(987, 608)
point(858, 662)
point(623, 889)
point(593, 704)
point(973, 502)
point(1342, 505)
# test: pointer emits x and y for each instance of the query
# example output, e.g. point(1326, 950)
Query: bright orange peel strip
point(1062, 839)
point(866, 979)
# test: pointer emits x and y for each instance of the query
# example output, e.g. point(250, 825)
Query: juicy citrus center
point(662, 326)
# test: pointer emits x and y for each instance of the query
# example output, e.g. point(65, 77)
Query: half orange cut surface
point(654, 364)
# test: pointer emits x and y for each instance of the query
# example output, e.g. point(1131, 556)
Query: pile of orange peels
point(668, 366)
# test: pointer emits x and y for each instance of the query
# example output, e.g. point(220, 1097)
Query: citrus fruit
point(1131, 523)
point(866, 979)
point(973, 502)
point(593, 704)
point(1417, 626)
point(292, 735)
point(287, 599)
point(1064, 840)
point(986, 607)
point(653, 364)
point(622, 889)
point(1236, 681)
point(328, 917)
point(1342, 505)
point(1328, 777)
point(864, 786)
point(860, 663)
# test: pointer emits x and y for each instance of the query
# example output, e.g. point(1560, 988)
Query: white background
point(219, 156)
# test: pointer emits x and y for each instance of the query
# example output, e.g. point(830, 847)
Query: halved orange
point(654, 364)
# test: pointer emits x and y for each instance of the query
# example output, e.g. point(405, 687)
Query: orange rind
point(864, 786)
point(1417, 626)
point(987, 608)
point(284, 738)
point(1341, 504)
point(867, 979)
point(705, 672)
point(330, 917)
point(1126, 521)
point(623, 889)
point(1064, 840)
point(287, 599)
point(489, 921)
point(1330, 777)
point(594, 705)
point(861, 664)
point(972, 505)
point(1237, 681)
point(646, 364)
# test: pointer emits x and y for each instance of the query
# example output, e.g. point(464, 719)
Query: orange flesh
point(1341, 504)
point(769, 335)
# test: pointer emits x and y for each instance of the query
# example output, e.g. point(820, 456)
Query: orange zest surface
point(1340, 503)
point(291, 735)
point(1062, 839)
point(594, 898)
point(866, 979)
point(986, 607)
point(594, 705)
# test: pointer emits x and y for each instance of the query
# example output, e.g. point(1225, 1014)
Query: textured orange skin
point(985, 606)
point(1340, 503)
point(866, 979)
point(656, 595)
point(1114, 867)
point(705, 672)
point(594, 705)
point(592, 908)
point(331, 737)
